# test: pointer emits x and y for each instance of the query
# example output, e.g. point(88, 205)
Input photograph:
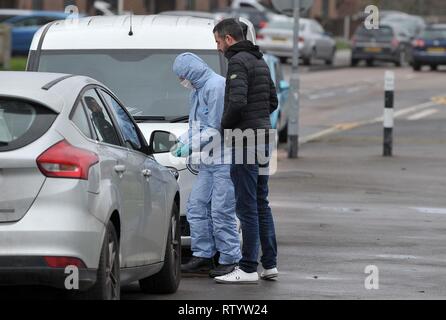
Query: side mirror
point(328, 34)
point(284, 85)
point(162, 142)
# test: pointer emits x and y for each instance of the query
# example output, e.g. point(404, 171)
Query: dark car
point(389, 43)
point(429, 48)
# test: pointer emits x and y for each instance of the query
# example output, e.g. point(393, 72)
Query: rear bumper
point(25, 271)
point(426, 58)
point(385, 55)
point(59, 224)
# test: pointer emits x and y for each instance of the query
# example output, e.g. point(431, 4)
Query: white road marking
point(395, 256)
point(322, 95)
point(422, 114)
point(431, 210)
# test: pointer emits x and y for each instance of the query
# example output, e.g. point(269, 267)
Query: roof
point(32, 83)
point(112, 32)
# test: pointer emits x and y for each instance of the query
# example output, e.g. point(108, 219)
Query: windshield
point(382, 33)
point(287, 25)
point(434, 34)
point(142, 79)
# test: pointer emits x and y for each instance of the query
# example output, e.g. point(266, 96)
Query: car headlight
point(174, 172)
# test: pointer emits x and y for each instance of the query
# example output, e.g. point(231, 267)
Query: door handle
point(120, 169)
point(147, 173)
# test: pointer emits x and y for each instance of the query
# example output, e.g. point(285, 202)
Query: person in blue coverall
point(211, 206)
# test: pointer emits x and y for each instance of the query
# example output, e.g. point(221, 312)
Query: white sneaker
point(238, 276)
point(270, 274)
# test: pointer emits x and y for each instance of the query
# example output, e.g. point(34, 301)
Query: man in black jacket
point(249, 101)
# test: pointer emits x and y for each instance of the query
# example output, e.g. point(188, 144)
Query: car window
point(101, 121)
point(28, 22)
point(22, 122)
point(79, 118)
point(127, 126)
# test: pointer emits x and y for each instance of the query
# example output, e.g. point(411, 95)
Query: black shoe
point(222, 270)
point(197, 266)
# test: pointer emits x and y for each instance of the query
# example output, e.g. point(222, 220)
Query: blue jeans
point(255, 215)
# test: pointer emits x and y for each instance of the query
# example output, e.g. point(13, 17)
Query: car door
point(150, 235)
point(114, 169)
point(318, 34)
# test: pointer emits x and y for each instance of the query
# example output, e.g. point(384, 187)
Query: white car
point(314, 42)
point(80, 188)
point(134, 57)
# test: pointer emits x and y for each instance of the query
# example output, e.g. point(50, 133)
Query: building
point(136, 6)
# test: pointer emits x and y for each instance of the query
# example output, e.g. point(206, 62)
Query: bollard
point(389, 113)
point(5, 46)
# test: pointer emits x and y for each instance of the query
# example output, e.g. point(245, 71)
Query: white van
point(134, 57)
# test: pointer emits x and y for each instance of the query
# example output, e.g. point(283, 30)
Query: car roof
point(436, 26)
point(196, 14)
point(61, 89)
point(149, 32)
point(15, 12)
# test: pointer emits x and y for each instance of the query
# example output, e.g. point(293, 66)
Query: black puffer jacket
point(250, 92)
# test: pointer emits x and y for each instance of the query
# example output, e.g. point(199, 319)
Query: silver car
point(314, 43)
point(80, 192)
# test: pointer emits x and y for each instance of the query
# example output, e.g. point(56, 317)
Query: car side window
point(100, 119)
point(79, 118)
point(27, 22)
point(127, 126)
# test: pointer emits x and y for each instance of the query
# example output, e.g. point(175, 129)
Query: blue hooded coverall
point(211, 206)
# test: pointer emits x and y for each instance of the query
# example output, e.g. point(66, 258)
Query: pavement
point(343, 207)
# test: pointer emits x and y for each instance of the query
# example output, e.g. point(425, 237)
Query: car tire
point(330, 61)
point(283, 135)
point(108, 283)
point(168, 279)
point(416, 66)
point(283, 60)
point(354, 62)
point(434, 67)
point(370, 63)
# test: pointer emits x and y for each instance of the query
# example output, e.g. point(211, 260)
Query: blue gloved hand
point(182, 150)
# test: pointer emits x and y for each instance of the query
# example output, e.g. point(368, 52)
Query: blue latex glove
point(182, 150)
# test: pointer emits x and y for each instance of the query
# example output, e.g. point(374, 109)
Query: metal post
point(293, 122)
point(389, 113)
point(120, 7)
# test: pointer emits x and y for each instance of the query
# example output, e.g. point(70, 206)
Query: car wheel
point(434, 67)
point(416, 66)
point(168, 279)
point(283, 60)
point(108, 283)
point(330, 61)
point(370, 63)
point(283, 135)
point(354, 62)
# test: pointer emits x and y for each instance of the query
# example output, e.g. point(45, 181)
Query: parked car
point(314, 42)
point(270, 12)
point(138, 68)
point(279, 118)
point(25, 24)
point(80, 188)
point(412, 24)
point(389, 43)
point(429, 48)
point(258, 18)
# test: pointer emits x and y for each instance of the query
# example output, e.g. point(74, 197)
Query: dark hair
point(231, 27)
